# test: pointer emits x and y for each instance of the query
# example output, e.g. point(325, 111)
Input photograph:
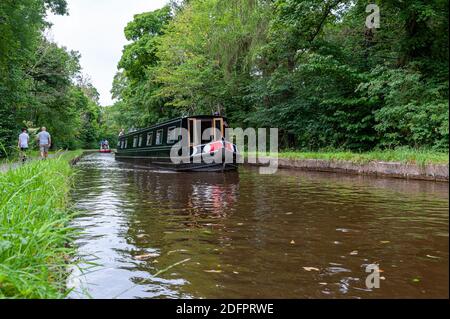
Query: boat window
point(135, 141)
point(205, 125)
point(195, 132)
point(159, 137)
point(218, 132)
point(141, 137)
point(172, 135)
point(149, 139)
point(191, 128)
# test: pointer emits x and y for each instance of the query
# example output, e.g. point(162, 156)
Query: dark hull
point(158, 164)
point(166, 164)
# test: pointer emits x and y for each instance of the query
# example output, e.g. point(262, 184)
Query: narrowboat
point(194, 143)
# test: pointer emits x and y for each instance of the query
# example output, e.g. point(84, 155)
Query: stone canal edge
point(430, 172)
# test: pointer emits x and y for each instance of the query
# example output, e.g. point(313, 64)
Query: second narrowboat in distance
point(152, 146)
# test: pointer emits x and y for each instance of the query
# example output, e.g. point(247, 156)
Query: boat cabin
point(157, 141)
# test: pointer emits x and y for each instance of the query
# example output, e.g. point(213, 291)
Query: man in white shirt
point(24, 139)
point(45, 142)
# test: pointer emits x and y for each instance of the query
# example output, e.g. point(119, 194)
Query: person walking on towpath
point(24, 139)
point(45, 142)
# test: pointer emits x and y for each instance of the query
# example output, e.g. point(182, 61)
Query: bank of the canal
point(431, 166)
point(35, 242)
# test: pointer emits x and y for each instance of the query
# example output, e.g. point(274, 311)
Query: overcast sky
point(95, 29)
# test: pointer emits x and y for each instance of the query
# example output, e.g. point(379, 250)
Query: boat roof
point(171, 121)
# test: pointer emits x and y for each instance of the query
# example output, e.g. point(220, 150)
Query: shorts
point(44, 148)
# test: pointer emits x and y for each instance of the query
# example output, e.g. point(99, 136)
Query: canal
point(156, 234)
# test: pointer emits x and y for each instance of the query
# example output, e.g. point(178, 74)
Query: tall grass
point(34, 230)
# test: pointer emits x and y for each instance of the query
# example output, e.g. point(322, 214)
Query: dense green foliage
point(40, 83)
point(34, 228)
point(139, 104)
point(311, 68)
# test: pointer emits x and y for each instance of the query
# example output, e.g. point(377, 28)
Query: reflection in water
point(293, 234)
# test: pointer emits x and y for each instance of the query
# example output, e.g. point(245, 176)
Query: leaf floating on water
point(289, 213)
point(416, 280)
point(311, 269)
point(335, 264)
point(146, 256)
point(433, 257)
point(385, 242)
point(142, 236)
point(292, 242)
point(323, 283)
point(236, 272)
point(354, 253)
point(240, 224)
point(213, 271)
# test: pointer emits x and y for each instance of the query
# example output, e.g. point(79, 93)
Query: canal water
point(157, 234)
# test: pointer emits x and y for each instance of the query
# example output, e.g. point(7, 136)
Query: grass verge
point(34, 229)
point(409, 156)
